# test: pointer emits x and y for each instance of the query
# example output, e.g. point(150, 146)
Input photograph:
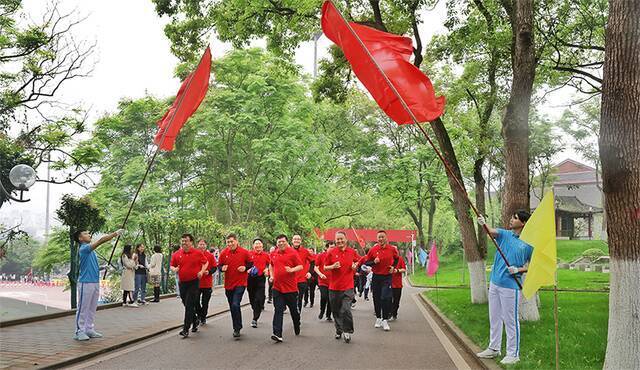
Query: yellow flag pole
point(555, 317)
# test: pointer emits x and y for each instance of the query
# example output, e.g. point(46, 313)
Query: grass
point(453, 273)
point(582, 326)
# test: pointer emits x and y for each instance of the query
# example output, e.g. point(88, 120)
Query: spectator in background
point(140, 291)
point(174, 249)
point(127, 281)
point(155, 271)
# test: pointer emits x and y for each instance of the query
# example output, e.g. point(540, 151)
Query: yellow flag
point(540, 233)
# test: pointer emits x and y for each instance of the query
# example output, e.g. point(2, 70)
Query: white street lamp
point(22, 177)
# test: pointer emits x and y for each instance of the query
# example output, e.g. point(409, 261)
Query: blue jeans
point(234, 297)
point(140, 287)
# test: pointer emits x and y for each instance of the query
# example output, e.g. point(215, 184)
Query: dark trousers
point(202, 303)
point(324, 301)
point(255, 288)
point(280, 300)
point(366, 293)
point(310, 295)
point(270, 291)
point(189, 294)
point(340, 301)
point(234, 297)
point(382, 295)
point(397, 293)
point(361, 283)
point(302, 288)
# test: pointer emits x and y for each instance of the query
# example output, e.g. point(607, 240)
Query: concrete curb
point(461, 338)
point(74, 360)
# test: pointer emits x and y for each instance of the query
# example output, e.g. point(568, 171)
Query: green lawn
point(453, 272)
point(582, 326)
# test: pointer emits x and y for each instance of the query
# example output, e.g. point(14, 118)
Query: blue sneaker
point(81, 336)
point(93, 334)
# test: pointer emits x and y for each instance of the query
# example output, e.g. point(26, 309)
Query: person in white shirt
point(155, 271)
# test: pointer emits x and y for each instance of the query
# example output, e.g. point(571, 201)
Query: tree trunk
point(515, 124)
point(620, 158)
point(529, 307)
point(73, 269)
point(478, 280)
point(432, 210)
point(480, 203)
point(461, 205)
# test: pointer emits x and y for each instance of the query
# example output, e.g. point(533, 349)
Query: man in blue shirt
point(88, 283)
point(503, 289)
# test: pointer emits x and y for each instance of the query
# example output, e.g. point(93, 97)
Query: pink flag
point(432, 265)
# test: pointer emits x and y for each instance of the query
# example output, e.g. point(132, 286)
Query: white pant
point(503, 310)
point(88, 294)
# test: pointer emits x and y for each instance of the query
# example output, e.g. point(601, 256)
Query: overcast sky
point(132, 59)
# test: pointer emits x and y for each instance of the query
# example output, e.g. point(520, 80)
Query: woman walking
point(129, 263)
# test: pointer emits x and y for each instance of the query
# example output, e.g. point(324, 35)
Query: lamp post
point(22, 177)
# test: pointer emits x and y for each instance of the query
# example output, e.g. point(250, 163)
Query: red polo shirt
point(341, 278)
point(305, 257)
point(234, 259)
point(190, 263)
point(260, 261)
point(386, 253)
point(206, 281)
point(396, 279)
point(283, 281)
point(320, 263)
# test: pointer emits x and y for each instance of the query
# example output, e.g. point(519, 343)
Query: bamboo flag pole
point(438, 153)
point(555, 318)
point(149, 166)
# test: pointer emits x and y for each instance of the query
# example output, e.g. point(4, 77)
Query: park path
point(49, 342)
point(415, 342)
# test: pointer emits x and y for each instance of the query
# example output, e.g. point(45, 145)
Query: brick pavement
point(48, 342)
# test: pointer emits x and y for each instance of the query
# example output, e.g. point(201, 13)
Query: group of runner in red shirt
point(288, 269)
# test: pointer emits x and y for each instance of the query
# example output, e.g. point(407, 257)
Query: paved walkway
point(415, 342)
point(48, 342)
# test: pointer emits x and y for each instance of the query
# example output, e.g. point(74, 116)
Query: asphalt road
point(412, 343)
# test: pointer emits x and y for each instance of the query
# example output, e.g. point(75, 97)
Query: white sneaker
point(488, 353)
point(385, 325)
point(378, 323)
point(509, 360)
point(133, 305)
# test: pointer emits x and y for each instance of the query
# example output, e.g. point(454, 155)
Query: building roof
point(571, 204)
point(570, 172)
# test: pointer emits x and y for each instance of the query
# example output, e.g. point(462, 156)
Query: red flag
point(192, 92)
point(433, 264)
point(392, 53)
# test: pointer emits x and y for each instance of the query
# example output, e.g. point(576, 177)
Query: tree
point(37, 59)
point(19, 258)
point(78, 214)
point(620, 155)
point(285, 26)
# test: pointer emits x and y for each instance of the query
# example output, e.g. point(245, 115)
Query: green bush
point(593, 253)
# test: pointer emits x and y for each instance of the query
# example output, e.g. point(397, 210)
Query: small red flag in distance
point(392, 53)
point(192, 92)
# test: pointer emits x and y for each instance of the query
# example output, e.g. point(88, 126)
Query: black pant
point(234, 297)
point(255, 288)
point(340, 301)
point(202, 303)
point(302, 288)
point(397, 293)
point(324, 301)
point(382, 295)
point(361, 283)
point(189, 294)
point(270, 291)
point(280, 300)
point(310, 295)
